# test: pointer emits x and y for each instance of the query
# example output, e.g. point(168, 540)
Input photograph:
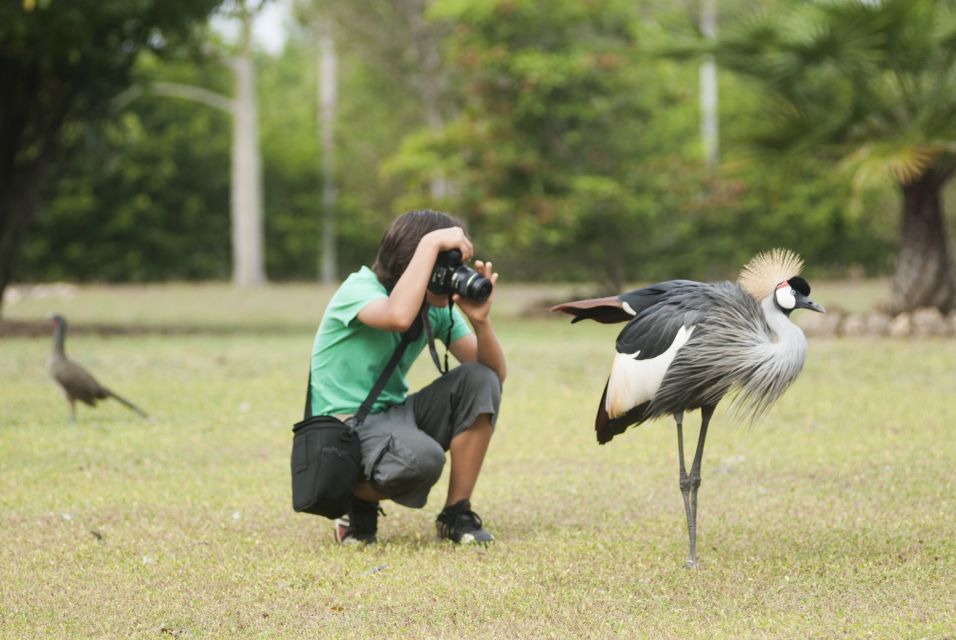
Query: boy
point(404, 438)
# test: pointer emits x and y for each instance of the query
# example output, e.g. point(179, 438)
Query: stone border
point(922, 323)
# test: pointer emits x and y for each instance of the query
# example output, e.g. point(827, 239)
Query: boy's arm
point(398, 311)
point(483, 345)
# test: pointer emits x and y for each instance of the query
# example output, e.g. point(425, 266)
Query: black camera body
point(450, 276)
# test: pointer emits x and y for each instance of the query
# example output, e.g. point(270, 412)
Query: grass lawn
point(834, 517)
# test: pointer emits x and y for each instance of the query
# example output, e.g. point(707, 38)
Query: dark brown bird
point(75, 381)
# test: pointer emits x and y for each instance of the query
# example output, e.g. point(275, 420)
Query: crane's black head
point(795, 294)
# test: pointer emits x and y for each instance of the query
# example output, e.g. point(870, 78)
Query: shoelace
point(472, 520)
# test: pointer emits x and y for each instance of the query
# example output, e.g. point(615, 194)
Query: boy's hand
point(478, 312)
point(451, 238)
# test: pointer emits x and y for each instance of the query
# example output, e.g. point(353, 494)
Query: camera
point(451, 276)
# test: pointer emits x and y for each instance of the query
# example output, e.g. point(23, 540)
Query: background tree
point(871, 85)
point(143, 201)
point(61, 64)
point(242, 105)
point(572, 153)
point(553, 148)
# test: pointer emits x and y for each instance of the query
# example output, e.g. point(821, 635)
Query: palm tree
point(870, 84)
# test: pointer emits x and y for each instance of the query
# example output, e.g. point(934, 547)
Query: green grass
point(296, 306)
point(833, 517)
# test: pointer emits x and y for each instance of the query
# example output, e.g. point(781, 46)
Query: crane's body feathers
point(688, 345)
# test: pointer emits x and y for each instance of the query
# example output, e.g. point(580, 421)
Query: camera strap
point(407, 338)
point(431, 336)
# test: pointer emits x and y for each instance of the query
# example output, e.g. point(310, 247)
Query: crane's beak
point(803, 302)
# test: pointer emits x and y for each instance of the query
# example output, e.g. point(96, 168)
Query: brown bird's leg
point(72, 410)
point(690, 483)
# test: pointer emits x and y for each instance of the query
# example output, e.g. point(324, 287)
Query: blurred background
point(601, 142)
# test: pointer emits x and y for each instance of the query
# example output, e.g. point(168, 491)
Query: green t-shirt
point(348, 356)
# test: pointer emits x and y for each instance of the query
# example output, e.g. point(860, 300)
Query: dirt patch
point(43, 329)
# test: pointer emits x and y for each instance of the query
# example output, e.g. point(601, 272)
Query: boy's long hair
point(400, 241)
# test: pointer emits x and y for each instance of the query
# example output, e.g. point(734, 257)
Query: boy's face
point(435, 300)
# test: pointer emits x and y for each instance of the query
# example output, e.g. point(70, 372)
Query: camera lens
point(480, 289)
point(470, 284)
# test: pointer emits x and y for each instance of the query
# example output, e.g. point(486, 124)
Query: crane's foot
point(691, 563)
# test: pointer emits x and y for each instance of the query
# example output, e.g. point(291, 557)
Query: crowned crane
point(688, 344)
point(75, 381)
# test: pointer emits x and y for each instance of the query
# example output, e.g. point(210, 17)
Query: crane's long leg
point(684, 480)
point(690, 483)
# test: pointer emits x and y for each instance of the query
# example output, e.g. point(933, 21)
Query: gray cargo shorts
point(403, 447)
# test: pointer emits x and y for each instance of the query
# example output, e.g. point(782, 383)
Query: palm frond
point(870, 83)
point(877, 163)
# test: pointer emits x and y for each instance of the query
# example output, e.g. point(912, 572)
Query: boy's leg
point(459, 411)
point(468, 450)
point(365, 491)
point(400, 462)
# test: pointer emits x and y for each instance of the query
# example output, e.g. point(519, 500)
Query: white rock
point(928, 321)
point(901, 326)
point(854, 326)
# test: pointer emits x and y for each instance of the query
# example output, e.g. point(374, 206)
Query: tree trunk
point(327, 98)
point(31, 150)
point(430, 80)
point(924, 275)
point(708, 87)
point(16, 211)
point(246, 191)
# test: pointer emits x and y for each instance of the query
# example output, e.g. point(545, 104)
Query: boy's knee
point(407, 467)
point(431, 461)
point(477, 376)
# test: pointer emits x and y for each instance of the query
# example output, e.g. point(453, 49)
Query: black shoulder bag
point(326, 457)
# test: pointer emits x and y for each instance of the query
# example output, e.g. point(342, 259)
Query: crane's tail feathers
point(129, 404)
point(605, 310)
point(606, 427)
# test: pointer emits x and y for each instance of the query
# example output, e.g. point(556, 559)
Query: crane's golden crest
point(766, 270)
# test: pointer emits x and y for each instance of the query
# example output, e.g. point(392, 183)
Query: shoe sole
point(340, 533)
point(467, 538)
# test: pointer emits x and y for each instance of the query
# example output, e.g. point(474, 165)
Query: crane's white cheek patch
point(634, 382)
point(785, 298)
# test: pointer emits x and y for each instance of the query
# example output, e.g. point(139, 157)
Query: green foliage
point(63, 67)
point(572, 151)
point(291, 162)
point(871, 83)
point(576, 155)
point(147, 202)
point(551, 122)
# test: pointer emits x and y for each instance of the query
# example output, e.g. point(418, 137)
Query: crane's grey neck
point(779, 321)
point(789, 345)
point(778, 361)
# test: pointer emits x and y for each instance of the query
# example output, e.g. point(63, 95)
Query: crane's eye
point(793, 293)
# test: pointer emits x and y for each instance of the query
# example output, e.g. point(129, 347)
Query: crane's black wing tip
point(604, 310)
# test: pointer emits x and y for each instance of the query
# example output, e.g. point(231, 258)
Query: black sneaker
point(461, 525)
point(360, 524)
